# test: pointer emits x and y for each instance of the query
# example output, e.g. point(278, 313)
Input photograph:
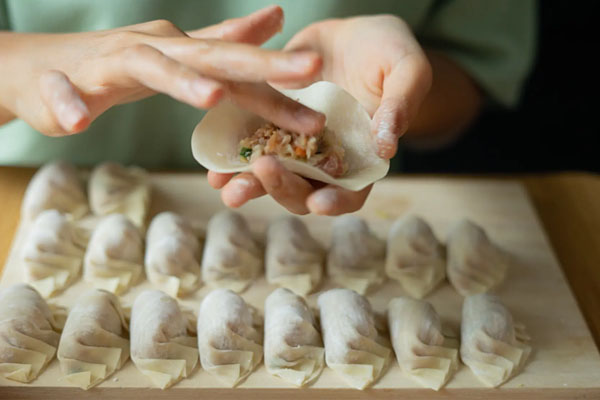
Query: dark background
point(556, 127)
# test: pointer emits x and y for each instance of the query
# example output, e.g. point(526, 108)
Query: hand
point(376, 59)
point(59, 83)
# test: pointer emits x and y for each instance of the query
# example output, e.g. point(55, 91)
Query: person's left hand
point(378, 60)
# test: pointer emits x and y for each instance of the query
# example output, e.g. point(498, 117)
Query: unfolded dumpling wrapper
point(229, 336)
point(173, 251)
point(115, 255)
point(114, 188)
point(415, 257)
point(293, 346)
point(94, 341)
point(475, 263)
point(232, 256)
point(55, 186)
point(356, 257)
point(215, 142)
point(162, 345)
point(293, 259)
point(492, 344)
point(53, 251)
point(29, 333)
point(423, 351)
point(353, 346)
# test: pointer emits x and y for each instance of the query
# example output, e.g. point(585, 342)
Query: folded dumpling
point(356, 257)
point(173, 254)
point(492, 345)
point(293, 346)
point(55, 186)
point(94, 341)
point(232, 257)
point(162, 345)
point(422, 350)
point(294, 259)
point(29, 333)
point(114, 188)
point(353, 347)
point(114, 257)
point(415, 258)
point(53, 251)
point(229, 336)
point(475, 263)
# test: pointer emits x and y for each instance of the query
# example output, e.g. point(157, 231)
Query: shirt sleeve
point(494, 41)
point(4, 25)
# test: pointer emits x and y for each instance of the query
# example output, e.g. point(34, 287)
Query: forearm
point(452, 103)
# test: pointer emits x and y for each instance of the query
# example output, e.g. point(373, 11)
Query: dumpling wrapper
point(162, 347)
point(353, 346)
point(492, 344)
point(93, 344)
point(215, 142)
point(422, 350)
point(293, 346)
point(29, 333)
point(229, 338)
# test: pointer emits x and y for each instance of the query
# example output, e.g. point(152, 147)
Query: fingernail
point(72, 113)
point(312, 121)
point(386, 139)
point(203, 89)
point(299, 62)
point(324, 200)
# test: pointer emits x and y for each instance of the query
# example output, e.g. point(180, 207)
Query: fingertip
point(207, 94)
point(217, 180)
point(322, 202)
point(268, 170)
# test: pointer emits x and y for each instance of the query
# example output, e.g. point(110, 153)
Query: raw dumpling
point(114, 188)
point(475, 264)
point(422, 350)
point(491, 343)
point(232, 257)
point(353, 347)
point(229, 338)
point(356, 257)
point(415, 257)
point(53, 252)
point(29, 333)
point(55, 186)
point(114, 256)
point(293, 258)
point(94, 341)
point(162, 347)
point(173, 254)
point(293, 347)
point(216, 139)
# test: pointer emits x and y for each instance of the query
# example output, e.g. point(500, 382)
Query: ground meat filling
point(319, 151)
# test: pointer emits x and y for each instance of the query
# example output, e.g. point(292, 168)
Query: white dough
point(229, 338)
point(293, 346)
point(415, 258)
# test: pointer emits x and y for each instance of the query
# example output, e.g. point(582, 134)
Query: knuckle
point(162, 25)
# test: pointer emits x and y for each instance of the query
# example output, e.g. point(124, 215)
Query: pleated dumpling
point(29, 333)
point(162, 345)
point(229, 336)
point(353, 347)
point(114, 257)
point(55, 186)
point(294, 259)
point(415, 258)
point(293, 346)
point(232, 257)
point(173, 252)
point(422, 350)
point(53, 252)
point(114, 188)
point(94, 341)
point(356, 257)
point(475, 263)
point(492, 344)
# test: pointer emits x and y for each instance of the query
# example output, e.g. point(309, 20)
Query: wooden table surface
point(568, 205)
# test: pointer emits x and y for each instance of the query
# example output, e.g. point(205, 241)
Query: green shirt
point(493, 40)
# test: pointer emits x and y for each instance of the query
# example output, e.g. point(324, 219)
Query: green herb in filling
point(245, 152)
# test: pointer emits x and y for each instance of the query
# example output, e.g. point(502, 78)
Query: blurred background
point(556, 126)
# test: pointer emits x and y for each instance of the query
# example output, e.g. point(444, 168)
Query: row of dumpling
point(233, 257)
point(230, 342)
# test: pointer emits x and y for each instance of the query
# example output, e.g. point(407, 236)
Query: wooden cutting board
point(565, 362)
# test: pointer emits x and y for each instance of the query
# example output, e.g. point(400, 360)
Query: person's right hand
point(59, 83)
